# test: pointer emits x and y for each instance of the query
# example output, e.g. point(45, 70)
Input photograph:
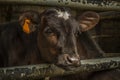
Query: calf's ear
point(29, 21)
point(88, 20)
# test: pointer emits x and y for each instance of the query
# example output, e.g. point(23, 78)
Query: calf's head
point(58, 35)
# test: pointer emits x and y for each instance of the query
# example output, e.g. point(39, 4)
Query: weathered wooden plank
point(79, 4)
point(50, 70)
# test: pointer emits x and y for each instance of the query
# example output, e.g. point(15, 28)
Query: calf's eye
point(77, 33)
point(48, 30)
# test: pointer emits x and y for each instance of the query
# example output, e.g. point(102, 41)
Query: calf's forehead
point(61, 25)
point(62, 20)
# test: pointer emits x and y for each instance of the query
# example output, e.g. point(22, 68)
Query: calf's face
point(58, 36)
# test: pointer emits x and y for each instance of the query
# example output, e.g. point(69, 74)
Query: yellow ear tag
point(26, 28)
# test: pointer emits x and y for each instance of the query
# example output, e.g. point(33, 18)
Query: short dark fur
point(17, 47)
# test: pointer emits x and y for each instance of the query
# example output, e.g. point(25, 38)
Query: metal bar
point(100, 5)
point(50, 70)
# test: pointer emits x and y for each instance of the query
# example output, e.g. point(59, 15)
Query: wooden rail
point(50, 70)
point(100, 5)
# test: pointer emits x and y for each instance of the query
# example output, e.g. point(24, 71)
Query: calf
point(54, 36)
point(64, 40)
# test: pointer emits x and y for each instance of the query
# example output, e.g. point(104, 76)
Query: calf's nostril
point(69, 60)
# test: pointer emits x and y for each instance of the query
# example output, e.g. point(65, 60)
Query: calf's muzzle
point(68, 60)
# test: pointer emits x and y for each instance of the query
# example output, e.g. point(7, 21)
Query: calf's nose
point(73, 60)
point(67, 60)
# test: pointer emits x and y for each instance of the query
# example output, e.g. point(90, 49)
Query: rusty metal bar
point(100, 5)
point(50, 70)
